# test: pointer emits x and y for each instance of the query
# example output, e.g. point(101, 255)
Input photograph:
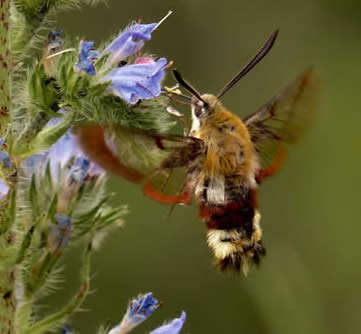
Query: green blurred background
point(310, 279)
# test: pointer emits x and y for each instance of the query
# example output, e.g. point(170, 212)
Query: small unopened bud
point(59, 234)
point(138, 310)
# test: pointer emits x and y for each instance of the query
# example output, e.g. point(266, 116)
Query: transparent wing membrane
point(162, 163)
point(283, 119)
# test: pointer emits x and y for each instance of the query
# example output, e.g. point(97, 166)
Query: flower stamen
point(162, 20)
point(60, 52)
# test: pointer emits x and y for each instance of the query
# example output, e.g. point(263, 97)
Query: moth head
point(206, 103)
point(206, 106)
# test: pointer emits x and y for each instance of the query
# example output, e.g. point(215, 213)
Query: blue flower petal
point(54, 34)
point(143, 307)
point(4, 157)
point(4, 189)
point(128, 42)
point(62, 151)
point(54, 39)
point(85, 48)
point(86, 66)
point(66, 329)
point(87, 56)
point(79, 169)
point(137, 81)
point(60, 233)
point(65, 152)
point(34, 164)
point(173, 327)
point(138, 310)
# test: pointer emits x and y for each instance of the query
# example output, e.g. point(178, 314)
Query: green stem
point(4, 66)
point(7, 301)
point(57, 319)
point(30, 131)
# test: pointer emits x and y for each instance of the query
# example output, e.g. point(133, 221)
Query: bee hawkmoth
point(221, 162)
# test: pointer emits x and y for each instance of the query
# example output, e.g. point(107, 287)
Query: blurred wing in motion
point(282, 120)
point(164, 164)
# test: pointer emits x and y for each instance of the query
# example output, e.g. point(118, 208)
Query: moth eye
point(203, 110)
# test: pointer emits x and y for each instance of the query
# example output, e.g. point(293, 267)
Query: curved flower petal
point(66, 329)
point(54, 40)
point(137, 81)
point(62, 151)
point(34, 163)
point(65, 152)
point(129, 42)
point(79, 169)
point(144, 60)
point(138, 310)
point(3, 189)
point(4, 157)
point(87, 56)
point(173, 327)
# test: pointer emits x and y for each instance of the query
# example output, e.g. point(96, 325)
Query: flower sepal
point(44, 139)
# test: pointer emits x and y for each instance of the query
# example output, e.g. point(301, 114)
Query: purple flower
point(172, 327)
point(3, 189)
point(59, 234)
point(66, 329)
point(128, 42)
point(137, 81)
point(144, 60)
point(4, 157)
point(62, 151)
point(131, 40)
point(87, 57)
point(54, 40)
point(35, 163)
point(79, 169)
point(64, 154)
point(138, 310)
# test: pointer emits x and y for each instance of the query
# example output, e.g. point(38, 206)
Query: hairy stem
point(58, 318)
point(7, 298)
point(4, 65)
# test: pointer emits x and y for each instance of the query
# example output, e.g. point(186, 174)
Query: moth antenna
point(254, 61)
point(187, 86)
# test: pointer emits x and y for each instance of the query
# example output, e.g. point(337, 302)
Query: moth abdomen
point(233, 232)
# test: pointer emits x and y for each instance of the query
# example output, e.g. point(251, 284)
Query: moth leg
point(172, 93)
point(275, 166)
point(93, 143)
point(184, 197)
point(180, 115)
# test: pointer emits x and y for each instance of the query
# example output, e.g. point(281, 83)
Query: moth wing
point(283, 119)
point(160, 162)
